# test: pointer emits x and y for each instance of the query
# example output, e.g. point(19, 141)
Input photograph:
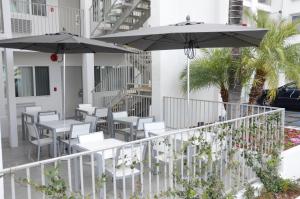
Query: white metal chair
point(30, 109)
point(35, 139)
point(76, 131)
point(139, 132)
point(117, 126)
point(127, 161)
point(154, 127)
point(48, 118)
point(101, 113)
point(93, 120)
point(84, 105)
point(92, 137)
point(120, 114)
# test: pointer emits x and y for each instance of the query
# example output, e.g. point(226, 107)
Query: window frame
point(34, 80)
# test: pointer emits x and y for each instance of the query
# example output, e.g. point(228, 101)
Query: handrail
point(169, 133)
point(104, 15)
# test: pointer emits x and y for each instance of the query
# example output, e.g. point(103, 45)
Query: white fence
point(179, 114)
point(157, 166)
point(35, 19)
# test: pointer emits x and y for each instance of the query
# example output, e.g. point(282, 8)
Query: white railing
point(178, 113)
point(160, 165)
point(35, 19)
point(135, 72)
point(135, 105)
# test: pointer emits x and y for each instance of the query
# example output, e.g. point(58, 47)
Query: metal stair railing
point(106, 4)
point(124, 20)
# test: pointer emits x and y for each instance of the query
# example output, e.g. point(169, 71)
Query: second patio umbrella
point(188, 36)
point(61, 43)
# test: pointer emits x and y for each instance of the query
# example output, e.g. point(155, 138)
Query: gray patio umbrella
point(62, 43)
point(188, 36)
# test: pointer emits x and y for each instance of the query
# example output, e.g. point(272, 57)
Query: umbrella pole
point(64, 86)
point(188, 80)
point(188, 92)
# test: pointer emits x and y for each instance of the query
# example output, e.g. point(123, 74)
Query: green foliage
point(250, 192)
point(209, 70)
point(55, 188)
point(214, 188)
point(275, 54)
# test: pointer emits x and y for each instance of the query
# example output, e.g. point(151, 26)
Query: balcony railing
point(35, 19)
point(160, 165)
point(179, 114)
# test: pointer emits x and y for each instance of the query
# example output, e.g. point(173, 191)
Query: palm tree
point(234, 73)
point(212, 70)
point(209, 70)
point(274, 55)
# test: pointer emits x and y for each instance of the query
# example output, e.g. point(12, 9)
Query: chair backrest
point(131, 154)
point(84, 105)
point(154, 127)
point(80, 129)
point(142, 121)
point(32, 131)
point(93, 120)
point(91, 137)
point(43, 113)
point(101, 112)
point(48, 118)
point(33, 109)
point(161, 144)
point(121, 114)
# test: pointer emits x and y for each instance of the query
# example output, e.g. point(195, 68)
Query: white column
point(11, 97)
point(88, 77)
point(1, 167)
point(87, 59)
point(1, 115)
point(9, 61)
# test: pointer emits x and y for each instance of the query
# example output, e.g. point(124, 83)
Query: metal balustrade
point(135, 105)
point(35, 19)
point(109, 16)
point(136, 72)
point(157, 166)
point(178, 113)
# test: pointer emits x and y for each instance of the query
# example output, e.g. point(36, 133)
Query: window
point(19, 6)
point(39, 7)
point(32, 81)
point(42, 81)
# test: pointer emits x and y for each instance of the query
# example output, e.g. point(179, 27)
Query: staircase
point(126, 87)
point(110, 16)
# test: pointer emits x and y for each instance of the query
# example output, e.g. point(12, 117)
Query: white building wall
point(167, 65)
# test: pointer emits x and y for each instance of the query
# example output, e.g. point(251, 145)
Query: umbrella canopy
point(61, 43)
point(188, 35)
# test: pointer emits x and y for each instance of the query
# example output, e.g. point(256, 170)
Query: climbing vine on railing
point(213, 163)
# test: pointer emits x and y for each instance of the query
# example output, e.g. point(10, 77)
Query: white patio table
point(100, 156)
point(130, 121)
point(84, 110)
point(57, 127)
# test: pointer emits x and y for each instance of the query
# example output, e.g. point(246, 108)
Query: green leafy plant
point(249, 192)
